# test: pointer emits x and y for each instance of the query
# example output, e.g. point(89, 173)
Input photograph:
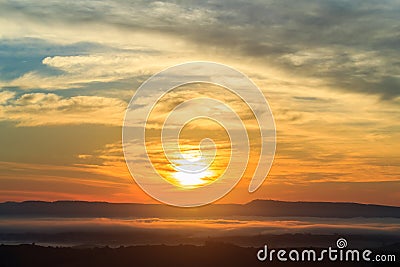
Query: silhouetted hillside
point(268, 208)
point(212, 254)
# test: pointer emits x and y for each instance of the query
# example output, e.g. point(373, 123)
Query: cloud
point(5, 96)
point(82, 71)
point(36, 64)
point(101, 67)
point(24, 55)
point(203, 228)
point(330, 71)
point(350, 46)
point(36, 109)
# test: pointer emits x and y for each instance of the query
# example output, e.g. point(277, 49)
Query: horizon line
point(161, 204)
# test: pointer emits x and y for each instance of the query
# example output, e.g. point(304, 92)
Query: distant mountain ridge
point(266, 208)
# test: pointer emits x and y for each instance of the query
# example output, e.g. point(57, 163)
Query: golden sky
point(329, 70)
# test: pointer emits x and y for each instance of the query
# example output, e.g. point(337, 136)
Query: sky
point(329, 69)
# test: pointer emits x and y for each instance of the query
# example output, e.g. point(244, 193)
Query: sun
point(193, 160)
point(193, 180)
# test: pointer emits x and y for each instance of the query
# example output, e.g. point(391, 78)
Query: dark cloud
point(308, 98)
point(352, 45)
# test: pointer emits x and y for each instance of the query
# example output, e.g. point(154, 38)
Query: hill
point(266, 208)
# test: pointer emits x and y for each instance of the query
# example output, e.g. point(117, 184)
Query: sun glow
point(193, 169)
point(196, 161)
point(192, 180)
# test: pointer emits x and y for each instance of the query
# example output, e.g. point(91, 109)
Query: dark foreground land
point(213, 254)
